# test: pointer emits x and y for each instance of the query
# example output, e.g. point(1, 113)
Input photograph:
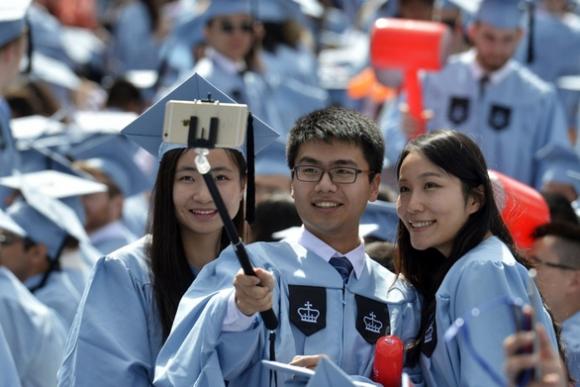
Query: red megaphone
point(522, 208)
point(410, 45)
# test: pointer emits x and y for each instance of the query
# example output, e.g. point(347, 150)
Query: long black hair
point(170, 269)
point(459, 156)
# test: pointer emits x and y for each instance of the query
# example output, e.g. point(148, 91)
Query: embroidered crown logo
point(372, 324)
point(307, 314)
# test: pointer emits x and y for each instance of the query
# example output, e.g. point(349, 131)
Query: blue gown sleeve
point(109, 342)
point(481, 283)
point(552, 130)
point(9, 375)
point(196, 351)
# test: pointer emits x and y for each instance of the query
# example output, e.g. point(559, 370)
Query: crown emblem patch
point(307, 308)
point(308, 314)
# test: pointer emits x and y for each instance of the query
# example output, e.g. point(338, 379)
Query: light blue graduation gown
point(486, 273)
point(112, 237)
point(8, 153)
point(536, 120)
point(116, 333)
point(59, 294)
point(198, 353)
point(571, 339)
point(78, 264)
point(133, 45)
point(33, 333)
point(556, 54)
point(9, 374)
point(135, 214)
point(556, 47)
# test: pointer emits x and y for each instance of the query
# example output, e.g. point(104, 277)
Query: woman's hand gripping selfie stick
point(203, 167)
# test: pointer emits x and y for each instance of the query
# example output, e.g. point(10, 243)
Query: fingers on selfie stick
point(388, 365)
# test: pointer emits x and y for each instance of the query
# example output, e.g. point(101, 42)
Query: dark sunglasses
point(228, 27)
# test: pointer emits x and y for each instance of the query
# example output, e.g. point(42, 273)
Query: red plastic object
point(522, 208)
point(410, 45)
point(388, 365)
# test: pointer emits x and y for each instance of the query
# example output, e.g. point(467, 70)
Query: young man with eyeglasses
point(330, 298)
point(556, 256)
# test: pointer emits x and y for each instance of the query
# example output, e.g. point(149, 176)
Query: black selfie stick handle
point(270, 320)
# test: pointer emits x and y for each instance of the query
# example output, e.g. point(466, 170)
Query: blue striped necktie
point(343, 266)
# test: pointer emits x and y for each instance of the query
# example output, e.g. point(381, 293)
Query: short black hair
point(568, 246)
point(340, 124)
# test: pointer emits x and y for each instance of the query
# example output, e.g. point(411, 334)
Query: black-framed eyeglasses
point(338, 175)
point(539, 262)
point(227, 27)
point(7, 239)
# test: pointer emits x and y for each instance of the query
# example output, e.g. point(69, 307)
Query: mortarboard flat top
point(12, 14)
point(504, 14)
point(226, 7)
point(54, 184)
point(46, 220)
point(277, 10)
point(147, 129)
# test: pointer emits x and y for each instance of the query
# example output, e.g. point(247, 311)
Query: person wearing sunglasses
point(456, 250)
point(556, 256)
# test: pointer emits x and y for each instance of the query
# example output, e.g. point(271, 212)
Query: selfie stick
point(203, 167)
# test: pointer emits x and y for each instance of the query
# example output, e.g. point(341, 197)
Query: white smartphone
point(228, 119)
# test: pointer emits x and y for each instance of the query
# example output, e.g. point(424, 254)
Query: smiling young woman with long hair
point(457, 252)
point(128, 308)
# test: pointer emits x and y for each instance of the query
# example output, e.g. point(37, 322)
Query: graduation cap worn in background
point(147, 129)
point(504, 14)
point(12, 19)
point(46, 220)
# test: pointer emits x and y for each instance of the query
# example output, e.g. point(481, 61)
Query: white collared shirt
point(236, 321)
point(311, 243)
point(494, 77)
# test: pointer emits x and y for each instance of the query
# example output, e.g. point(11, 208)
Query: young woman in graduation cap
point(128, 308)
point(456, 250)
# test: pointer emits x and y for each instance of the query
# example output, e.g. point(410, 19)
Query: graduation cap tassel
point(30, 47)
point(251, 188)
point(531, 25)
